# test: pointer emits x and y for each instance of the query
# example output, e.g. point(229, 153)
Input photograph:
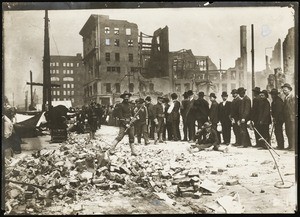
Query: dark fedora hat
point(256, 89)
point(125, 94)
point(139, 100)
point(160, 97)
point(201, 93)
point(148, 98)
point(234, 91)
point(265, 92)
point(274, 92)
point(224, 93)
point(174, 96)
point(190, 93)
point(241, 90)
point(287, 86)
point(206, 125)
point(213, 95)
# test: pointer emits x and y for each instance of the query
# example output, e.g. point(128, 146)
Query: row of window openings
point(117, 42)
point(215, 77)
point(117, 57)
point(187, 87)
point(56, 71)
point(117, 30)
point(64, 79)
point(57, 92)
point(64, 64)
point(65, 99)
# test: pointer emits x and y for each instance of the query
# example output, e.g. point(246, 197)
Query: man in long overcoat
point(224, 117)
point(201, 110)
point(234, 115)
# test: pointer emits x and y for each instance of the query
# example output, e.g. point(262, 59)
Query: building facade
point(110, 55)
point(67, 71)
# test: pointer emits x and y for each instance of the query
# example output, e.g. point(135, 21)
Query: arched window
point(68, 79)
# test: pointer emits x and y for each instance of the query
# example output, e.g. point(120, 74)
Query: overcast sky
point(207, 31)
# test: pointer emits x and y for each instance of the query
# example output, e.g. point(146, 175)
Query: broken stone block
point(99, 180)
point(182, 182)
point(232, 182)
point(178, 176)
point(114, 168)
point(165, 174)
point(16, 172)
point(133, 170)
point(197, 195)
point(254, 175)
point(187, 194)
point(222, 170)
point(74, 182)
point(115, 186)
point(86, 175)
point(47, 202)
point(214, 172)
point(124, 169)
point(195, 179)
point(101, 170)
point(152, 184)
point(185, 189)
point(168, 183)
point(193, 172)
point(172, 189)
point(103, 186)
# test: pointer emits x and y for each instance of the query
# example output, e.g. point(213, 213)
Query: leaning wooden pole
point(252, 56)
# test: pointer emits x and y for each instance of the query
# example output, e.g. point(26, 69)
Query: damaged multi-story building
point(117, 58)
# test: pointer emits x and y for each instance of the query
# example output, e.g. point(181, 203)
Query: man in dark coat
point(190, 116)
point(92, 119)
point(278, 119)
point(289, 115)
point(141, 122)
point(151, 124)
point(224, 117)
point(159, 120)
point(201, 110)
point(175, 116)
point(234, 116)
point(263, 118)
point(183, 111)
point(255, 110)
point(126, 119)
point(168, 121)
point(213, 113)
point(244, 116)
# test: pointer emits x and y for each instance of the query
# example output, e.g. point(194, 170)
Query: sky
point(213, 32)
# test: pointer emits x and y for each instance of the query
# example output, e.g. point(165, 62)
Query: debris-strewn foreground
point(79, 177)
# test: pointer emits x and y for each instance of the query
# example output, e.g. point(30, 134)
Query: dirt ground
point(254, 170)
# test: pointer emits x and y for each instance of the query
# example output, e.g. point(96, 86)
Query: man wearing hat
point(289, 115)
point(175, 117)
point(190, 116)
point(213, 113)
point(151, 124)
point(201, 109)
point(126, 119)
point(244, 116)
point(278, 120)
point(263, 118)
point(159, 120)
point(224, 117)
point(255, 110)
point(207, 138)
point(141, 122)
point(234, 116)
point(183, 111)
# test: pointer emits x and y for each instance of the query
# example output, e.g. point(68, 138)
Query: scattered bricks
point(194, 172)
point(133, 170)
point(86, 175)
point(29, 194)
point(168, 183)
point(101, 179)
point(112, 176)
point(232, 182)
point(14, 193)
point(74, 182)
point(90, 162)
point(214, 172)
point(195, 179)
point(114, 168)
point(152, 183)
point(197, 195)
point(82, 155)
point(15, 172)
point(178, 176)
point(254, 175)
point(47, 202)
point(69, 200)
point(222, 170)
point(55, 174)
point(172, 189)
point(119, 179)
point(183, 181)
point(73, 173)
point(77, 207)
point(115, 186)
point(124, 169)
point(59, 163)
point(71, 193)
point(103, 186)
point(185, 189)
point(187, 194)
point(101, 170)
point(165, 174)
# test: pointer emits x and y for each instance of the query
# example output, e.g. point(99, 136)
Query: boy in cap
point(289, 115)
point(278, 120)
point(141, 122)
point(207, 139)
point(224, 117)
point(126, 118)
point(244, 116)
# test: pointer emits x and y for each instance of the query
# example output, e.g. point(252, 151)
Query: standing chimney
point(243, 47)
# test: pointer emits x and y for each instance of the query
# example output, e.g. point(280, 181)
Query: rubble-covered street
point(76, 177)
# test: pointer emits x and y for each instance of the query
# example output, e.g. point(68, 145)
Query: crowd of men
point(161, 121)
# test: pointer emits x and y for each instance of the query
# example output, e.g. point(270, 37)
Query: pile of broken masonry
point(80, 165)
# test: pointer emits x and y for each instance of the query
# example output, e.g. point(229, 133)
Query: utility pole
point(207, 76)
point(252, 57)
point(46, 67)
point(31, 93)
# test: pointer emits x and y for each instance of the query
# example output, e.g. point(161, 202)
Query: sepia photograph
point(149, 108)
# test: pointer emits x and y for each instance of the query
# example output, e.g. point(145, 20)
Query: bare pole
point(46, 66)
point(31, 93)
point(207, 76)
point(252, 56)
